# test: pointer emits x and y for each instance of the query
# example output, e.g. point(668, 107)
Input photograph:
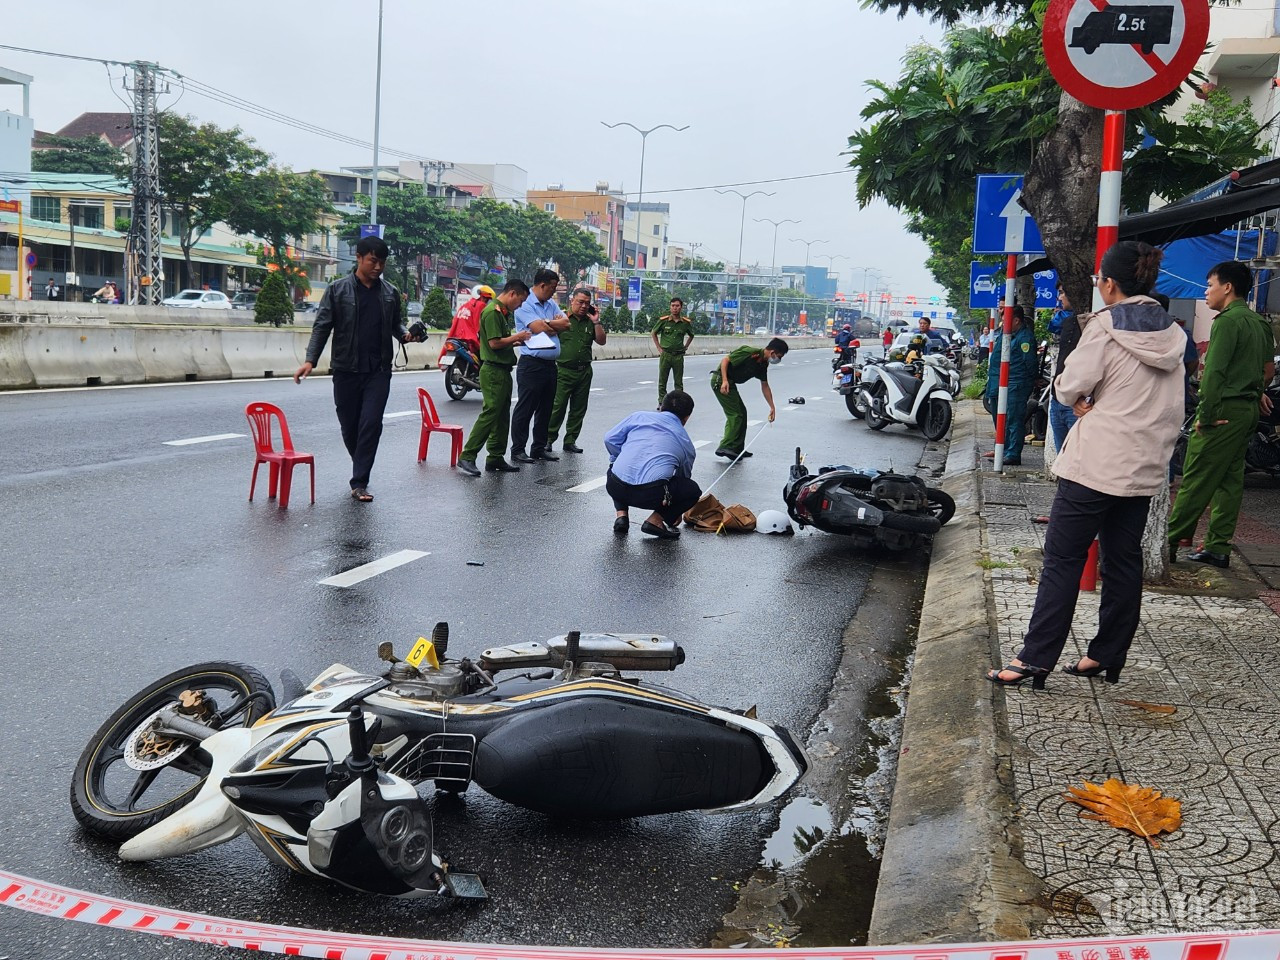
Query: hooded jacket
point(1129, 359)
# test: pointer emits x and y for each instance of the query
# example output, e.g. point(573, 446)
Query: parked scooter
point(871, 506)
point(916, 394)
point(461, 368)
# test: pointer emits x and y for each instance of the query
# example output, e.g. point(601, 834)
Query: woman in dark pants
point(1124, 382)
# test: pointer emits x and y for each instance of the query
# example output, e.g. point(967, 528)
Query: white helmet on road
point(773, 521)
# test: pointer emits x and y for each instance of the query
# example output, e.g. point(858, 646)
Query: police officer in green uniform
point(739, 367)
point(1236, 370)
point(1023, 367)
point(672, 335)
point(573, 370)
point(497, 351)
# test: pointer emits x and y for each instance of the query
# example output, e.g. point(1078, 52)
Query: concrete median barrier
point(45, 344)
point(81, 355)
point(195, 355)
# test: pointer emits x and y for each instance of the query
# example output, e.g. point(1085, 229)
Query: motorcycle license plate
point(447, 360)
point(846, 379)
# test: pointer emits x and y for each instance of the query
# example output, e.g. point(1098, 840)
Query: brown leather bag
point(709, 515)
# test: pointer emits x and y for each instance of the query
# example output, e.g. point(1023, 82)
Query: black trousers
point(361, 399)
point(536, 383)
point(1078, 515)
point(680, 493)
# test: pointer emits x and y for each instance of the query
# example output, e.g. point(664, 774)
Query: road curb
point(950, 871)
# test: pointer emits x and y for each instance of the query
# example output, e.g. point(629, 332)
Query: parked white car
point(199, 299)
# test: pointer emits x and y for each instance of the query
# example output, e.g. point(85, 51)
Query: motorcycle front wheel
point(853, 403)
point(129, 778)
point(453, 384)
point(937, 419)
point(941, 505)
point(874, 420)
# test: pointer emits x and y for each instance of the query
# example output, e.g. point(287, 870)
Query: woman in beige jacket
point(1124, 381)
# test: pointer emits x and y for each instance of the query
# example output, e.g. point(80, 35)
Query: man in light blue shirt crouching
point(651, 466)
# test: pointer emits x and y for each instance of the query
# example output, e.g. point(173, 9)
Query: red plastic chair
point(431, 424)
point(282, 461)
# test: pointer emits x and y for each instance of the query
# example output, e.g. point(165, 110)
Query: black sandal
point(1075, 670)
point(1036, 675)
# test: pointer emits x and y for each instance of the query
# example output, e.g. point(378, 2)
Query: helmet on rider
point(773, 521)
point(483, 290)
point(846, 327)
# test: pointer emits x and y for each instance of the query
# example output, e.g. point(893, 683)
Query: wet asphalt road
point(126, 558)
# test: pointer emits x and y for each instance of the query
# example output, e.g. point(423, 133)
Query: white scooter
point(916, 394)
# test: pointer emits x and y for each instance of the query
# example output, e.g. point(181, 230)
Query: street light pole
point(644, 139)
point(831, 259)
point(742, 226)
point(773, 270)
point(377, 125)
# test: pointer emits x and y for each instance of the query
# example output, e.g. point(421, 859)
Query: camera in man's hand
point(418, 330)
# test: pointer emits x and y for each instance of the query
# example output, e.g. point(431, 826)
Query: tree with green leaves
point(278, 205)
point(202, 168)
point(414, 226)
point(274, 305)
point(609, 317)
point(435, 309)
point(984, 102)
point(574, 251)
point(624, 318)
point(91, 155)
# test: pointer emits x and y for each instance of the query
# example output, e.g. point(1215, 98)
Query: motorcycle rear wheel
point(937, 419)
point(851, 403)
point(116, 800)
point(453, 384)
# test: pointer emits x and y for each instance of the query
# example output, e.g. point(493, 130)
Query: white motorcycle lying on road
point(916, 394)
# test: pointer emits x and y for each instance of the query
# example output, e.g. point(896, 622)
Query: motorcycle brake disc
point(147, 750)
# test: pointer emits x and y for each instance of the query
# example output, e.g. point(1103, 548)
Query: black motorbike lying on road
point(326, 783)
point(871, 506)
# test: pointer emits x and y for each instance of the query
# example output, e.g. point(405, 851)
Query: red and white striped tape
point(65, 903)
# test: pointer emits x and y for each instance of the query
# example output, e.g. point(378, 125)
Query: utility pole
point(144, 267)
point(377, 125)
point(644, 139)
point(773, 271)
point(742, 226)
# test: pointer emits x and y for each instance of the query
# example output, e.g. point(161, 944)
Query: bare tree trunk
point(1155, 538)
point(1061, 192)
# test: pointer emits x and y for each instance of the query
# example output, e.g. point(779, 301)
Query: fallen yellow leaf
point(1150, 707)
point(1139, 810)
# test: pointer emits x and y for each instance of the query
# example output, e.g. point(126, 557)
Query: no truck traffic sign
point(1119, 55)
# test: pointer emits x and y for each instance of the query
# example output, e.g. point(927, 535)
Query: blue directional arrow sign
point(1000, 224)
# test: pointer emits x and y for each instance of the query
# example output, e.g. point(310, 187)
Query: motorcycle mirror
point(387, 652)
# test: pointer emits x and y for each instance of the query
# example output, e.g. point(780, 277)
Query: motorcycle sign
point(1122, 55)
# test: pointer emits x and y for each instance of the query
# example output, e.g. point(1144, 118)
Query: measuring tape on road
point(65, 903)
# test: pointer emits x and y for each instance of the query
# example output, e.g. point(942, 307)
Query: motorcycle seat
point(909, 384)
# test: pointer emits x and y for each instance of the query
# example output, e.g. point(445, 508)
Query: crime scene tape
point(65, 903)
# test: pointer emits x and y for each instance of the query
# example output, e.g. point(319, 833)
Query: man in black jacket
point(362, 311)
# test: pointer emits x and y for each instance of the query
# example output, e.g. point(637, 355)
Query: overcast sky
point(769, 91)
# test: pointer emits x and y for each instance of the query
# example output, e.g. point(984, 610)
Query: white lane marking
point(816, 398)
point(597, 389)
point(643, 382)
point(366, 570)
point(402, 413)
point(699, 444)
point(754, 423)
point(209, 439)
point(589, 485)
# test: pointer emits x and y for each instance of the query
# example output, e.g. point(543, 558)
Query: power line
point(64, 56)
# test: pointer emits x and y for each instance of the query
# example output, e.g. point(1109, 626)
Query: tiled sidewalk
point(1213, 661)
